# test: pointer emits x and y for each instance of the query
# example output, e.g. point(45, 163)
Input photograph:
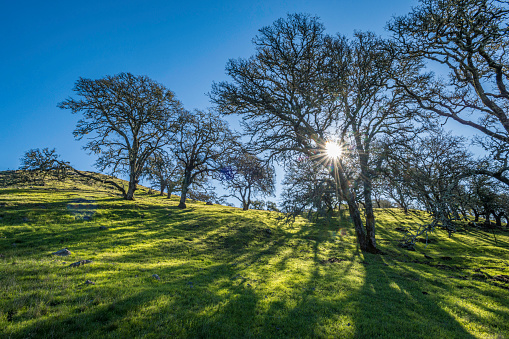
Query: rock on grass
point(62, 252)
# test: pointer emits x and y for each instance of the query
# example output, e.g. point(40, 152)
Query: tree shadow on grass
point(230, 299)
point(216, 303)
point(229, 302)
point(396, 302)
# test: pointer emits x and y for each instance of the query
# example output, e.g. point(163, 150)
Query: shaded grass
point(225, 272)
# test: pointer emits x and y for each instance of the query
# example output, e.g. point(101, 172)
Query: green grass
point(225, 272)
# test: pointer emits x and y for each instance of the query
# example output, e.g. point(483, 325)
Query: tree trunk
point(170, 188)
point(185, 188)
point(163, 186)
point(487, 219)
point(183, 194)
point(368, 204)
point(370, 217)
point(355, 214)
point(132, 187)
point(245, 199)
point(402, 203)
point(357, 223)
point(248, 198)
point(498, 218)
point(476, 215)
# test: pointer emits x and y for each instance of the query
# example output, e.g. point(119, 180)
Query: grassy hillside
point(214, 271)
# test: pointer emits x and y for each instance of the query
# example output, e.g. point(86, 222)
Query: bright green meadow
point(213, 271)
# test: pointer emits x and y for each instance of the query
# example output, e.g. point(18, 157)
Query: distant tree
point(431, 167)
point(395, 190)
point(383, 203)
point(271, 206)
point(47, 162)
point(201, 190)
point(258, 204)
point(126, 118)
point(247, 177)
point(161, 171)
point(471, 39)
point(487, 199)
point(309, 187)
point(202, 145)
point(43, 162)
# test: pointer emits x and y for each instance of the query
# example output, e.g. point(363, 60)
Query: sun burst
point(333, 149)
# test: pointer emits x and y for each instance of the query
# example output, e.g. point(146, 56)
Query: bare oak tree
point(202, 145)
point(471, 39)
point(248, 177)
point(431, 168)
point(303, 88)
point(164, 172)
point(47, 162)
point(126, 118)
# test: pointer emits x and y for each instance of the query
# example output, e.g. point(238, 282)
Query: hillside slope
point(215, 271)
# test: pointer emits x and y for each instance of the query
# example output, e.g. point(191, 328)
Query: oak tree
point(125, 119)
point(303, 88)
point(202, 145)
point(470, 39)
point(248, 177)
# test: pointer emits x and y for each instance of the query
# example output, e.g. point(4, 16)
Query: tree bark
point(360, 231)
point(183, 194)
point(185, 188)
point(370, 217)
point(133, 180)
point(498, 218)
point(487, 220)
point(170, 187)
point(476, 215)
point(130, 191)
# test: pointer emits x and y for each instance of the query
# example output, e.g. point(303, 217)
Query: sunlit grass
point(225, 272)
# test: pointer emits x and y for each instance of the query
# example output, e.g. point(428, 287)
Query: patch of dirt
point(80, 263)
point(501, 277)
point(331, 261)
